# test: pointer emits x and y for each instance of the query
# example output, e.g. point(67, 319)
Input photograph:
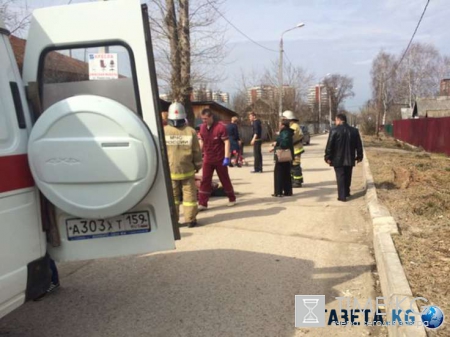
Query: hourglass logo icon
point(310, 303)
point(310, 311)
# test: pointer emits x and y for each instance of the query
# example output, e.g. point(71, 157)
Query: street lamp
point(280, 70)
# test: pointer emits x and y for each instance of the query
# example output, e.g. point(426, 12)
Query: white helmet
point(288, 114)
point(177, 115)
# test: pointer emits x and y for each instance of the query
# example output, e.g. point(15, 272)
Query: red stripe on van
point(15, 173)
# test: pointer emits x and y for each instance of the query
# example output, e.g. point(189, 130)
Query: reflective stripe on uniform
point(299, 151)
point(190, 204)
point(182, 176)
point(297, 177)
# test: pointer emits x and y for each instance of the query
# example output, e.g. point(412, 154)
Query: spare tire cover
point(92, 157)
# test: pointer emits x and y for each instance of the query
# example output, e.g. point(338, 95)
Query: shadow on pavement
point(315, 170)
point(201, 293)
point(204, 220)
point(321, 184)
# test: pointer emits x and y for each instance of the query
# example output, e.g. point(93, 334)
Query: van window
point(106, 71)
point(8, 128)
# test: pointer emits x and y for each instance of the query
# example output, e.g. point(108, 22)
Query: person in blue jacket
point(235, 142)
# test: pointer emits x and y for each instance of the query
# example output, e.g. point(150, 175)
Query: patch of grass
point(422, 210)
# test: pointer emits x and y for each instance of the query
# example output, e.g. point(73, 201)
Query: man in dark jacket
point(256, 142)
point(344, 147)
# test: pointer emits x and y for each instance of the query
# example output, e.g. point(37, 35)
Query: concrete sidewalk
point(235, 275)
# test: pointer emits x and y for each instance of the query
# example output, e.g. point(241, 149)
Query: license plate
point(125, 224)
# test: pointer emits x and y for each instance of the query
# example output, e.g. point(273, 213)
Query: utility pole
point(280, 70)
point(320, 104)
point(103, 50)
point(381, 83)
point(329, 104)
point(280, 80)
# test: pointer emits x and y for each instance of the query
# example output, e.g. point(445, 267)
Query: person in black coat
point(282, 171)
point(344, 147)
point(257, 143)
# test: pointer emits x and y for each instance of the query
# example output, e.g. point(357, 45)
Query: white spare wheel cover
point(92, 157)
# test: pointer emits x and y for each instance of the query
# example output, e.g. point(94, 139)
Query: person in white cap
point(185, 159)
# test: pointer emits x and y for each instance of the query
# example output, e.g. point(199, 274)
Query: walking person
point(215, 145)
point(296, 168)
point(185, 159)
point(344, 147)
point(235, 142)
point(282, 171)
point(257, 143)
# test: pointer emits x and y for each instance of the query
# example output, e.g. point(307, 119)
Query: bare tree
point(366, 118)
point(419, 74)
point(445, 67)
point(245, 81)
point(172, 29)
point(16, 18)
point(339, 88)
point(384, 83)
point(197, 21)
point(297, 81)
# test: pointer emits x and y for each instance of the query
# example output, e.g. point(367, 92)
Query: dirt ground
point(415, 186)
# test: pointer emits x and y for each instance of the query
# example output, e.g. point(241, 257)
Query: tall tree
point(185, 59)
point(16, 18)
point(384, 82)
point(175, 58)
point(188, 36)
point(339, 88)
point(420, 73)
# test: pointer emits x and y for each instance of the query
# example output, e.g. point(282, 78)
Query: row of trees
point(398, 80)
point(338, 87)
point(189, 43)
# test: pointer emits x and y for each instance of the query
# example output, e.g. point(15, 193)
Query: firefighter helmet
point(177, 115)
point(288, 114)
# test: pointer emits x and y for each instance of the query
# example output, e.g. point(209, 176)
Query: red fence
point(433, 134)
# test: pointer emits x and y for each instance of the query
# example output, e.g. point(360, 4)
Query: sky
point(339, 36)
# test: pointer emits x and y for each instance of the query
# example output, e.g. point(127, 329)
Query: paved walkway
point(235, 275)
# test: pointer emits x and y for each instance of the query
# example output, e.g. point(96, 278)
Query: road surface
point(235, 275)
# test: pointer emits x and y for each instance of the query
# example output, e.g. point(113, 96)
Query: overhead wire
point(287, 57)
point(240, 31)
point(409, 44)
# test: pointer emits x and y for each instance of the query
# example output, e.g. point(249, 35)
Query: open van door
point(96, 150)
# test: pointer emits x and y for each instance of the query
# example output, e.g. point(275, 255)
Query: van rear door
point(97, 151)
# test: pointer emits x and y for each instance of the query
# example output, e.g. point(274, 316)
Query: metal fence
point(432, 134)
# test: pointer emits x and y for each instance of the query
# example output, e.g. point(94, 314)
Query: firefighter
point(185, 159)
point(296, 169)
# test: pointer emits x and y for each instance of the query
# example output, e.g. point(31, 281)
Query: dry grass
point(415, 186)
point(387, 143)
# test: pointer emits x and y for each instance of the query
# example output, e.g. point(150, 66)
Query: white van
point(83, 173)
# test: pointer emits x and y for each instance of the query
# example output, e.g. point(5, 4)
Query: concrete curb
point(393, 281)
